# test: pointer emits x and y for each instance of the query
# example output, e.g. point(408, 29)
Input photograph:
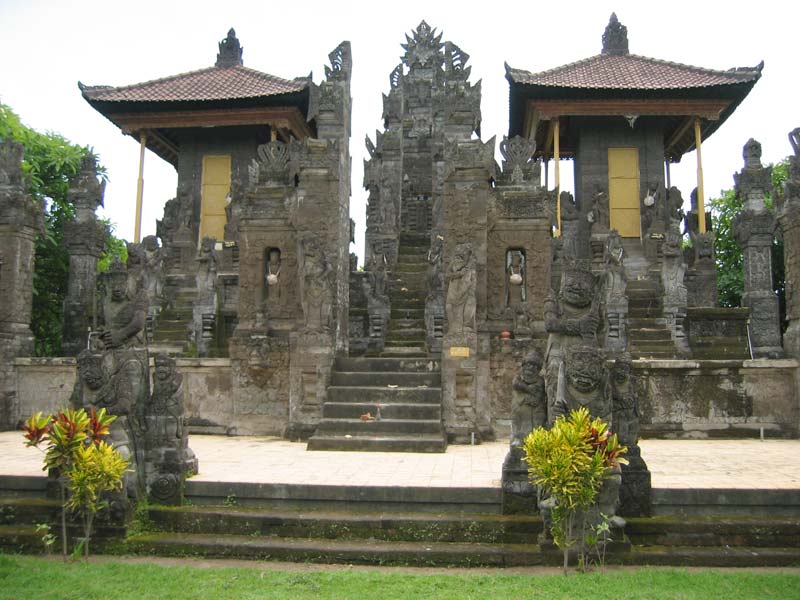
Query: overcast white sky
point(46, 47)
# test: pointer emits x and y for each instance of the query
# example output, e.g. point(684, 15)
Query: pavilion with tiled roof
point(679, 104)
point(208, 123)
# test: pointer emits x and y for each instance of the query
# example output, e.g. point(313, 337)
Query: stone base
point(518, 497)
point(635, 492)
point(299, 432)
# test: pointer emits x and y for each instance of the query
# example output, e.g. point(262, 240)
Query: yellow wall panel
point(623, 191)
point(214, 190)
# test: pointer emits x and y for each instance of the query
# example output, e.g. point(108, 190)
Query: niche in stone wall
point(273, 275)
point(516, 278)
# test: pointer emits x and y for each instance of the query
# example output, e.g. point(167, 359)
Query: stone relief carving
point(460, 303)
point(529, 404)
point(316, 291)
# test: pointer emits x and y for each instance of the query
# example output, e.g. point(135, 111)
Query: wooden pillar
point(137, 231)
point(701, 208)
point(557, 160)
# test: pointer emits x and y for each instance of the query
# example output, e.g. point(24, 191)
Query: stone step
point(645, 313)
point(646, 322)
point(383, 365)
point(401, 323)
point(407, 333)
point(412, 259)
point(394, 410)
point(21, 511)
point(368, 551)
point(412, 268)
point(328, 427)
point(415, 314)
point(408, 526)
point(384, 378)
point(654, 334)
point(397, 343)
point(366, 394)
point(715, 531)
point(168, 347)
point(409, 352)
point(409, 442)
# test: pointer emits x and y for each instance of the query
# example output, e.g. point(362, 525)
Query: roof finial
point(615, 37)
point(230, 51)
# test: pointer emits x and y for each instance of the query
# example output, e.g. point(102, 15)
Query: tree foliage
point(49, 163)
point(730, 268)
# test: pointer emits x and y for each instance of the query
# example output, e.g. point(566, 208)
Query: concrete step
point(728, 502)
point(23, 486)
point(401, 442)
point(645, 313)
point(412, 259)
point(762, 532)
point(368, 551)
point(472, 528)
point(393, 410)
point(21, 511)
point(329, 427)
point(405, 395)
point(409, 268)
point(353, 499)
point(661, 334)
point(646, 322)
point(402, 323)
point(409, 352)
point(382, 379)
point(398, 333)
point(372, 365)
point(408, 314)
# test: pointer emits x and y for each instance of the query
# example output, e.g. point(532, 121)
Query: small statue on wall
point(461, 286)
point(516, 291)
point(273, 280)
point(316, 287)
point(529, 405)
point(376, 276)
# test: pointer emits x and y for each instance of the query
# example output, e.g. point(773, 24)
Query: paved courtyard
point(771, 464)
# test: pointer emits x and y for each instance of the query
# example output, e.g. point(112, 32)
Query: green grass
point(24, 577)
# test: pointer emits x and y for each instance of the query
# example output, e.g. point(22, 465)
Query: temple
point(491, 300)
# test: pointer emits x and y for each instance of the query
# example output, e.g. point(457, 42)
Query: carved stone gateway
point(20, 222)
point(789, 219)
point(754, 229)
point(85, 239)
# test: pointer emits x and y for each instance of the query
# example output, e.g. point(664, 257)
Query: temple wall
point(699, 399)
point(591, 160)
point(682, 399)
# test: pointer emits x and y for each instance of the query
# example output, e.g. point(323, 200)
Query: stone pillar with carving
point(20, 222)
point(789, 219)
point(85, 239)
point(204, 311)
point(754, 229)
point(701, 273)
point(465, 346)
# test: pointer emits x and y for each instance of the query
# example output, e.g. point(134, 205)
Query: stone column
point(85, 240)
point(789, 219)
point(20, 222)
point(754, 228)
point(465, 345)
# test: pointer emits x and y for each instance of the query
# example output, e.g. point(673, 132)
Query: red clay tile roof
point(630, 72)
point(213, 83)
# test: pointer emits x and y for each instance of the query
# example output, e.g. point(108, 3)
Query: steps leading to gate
point(382, 405)
point(648, 335)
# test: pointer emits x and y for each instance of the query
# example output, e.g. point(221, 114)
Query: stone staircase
point(407, 291)
point(648, 335)
point(382, 404)
point(173, 327)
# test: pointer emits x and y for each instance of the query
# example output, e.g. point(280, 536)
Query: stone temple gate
point(490, 301)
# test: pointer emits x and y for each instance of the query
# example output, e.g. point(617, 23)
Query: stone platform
point(674, 464)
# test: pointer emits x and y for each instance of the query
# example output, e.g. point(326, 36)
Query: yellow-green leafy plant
point(63, 435)
point(95, 469)
point(569, 462)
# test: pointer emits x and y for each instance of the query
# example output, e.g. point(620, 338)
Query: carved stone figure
point(205, 307)
point(636, 487)
point(614, 293)
point(461, 282)
point(598, 216)
point(789, 219)
point(583, 383)
point(571, 317)
point(529, 405)
point(273, 280)
point(168, 457)
point(754, 230)
point(316, 287)
point(376, 276)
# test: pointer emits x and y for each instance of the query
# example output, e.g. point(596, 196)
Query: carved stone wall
point(20, 222)
point(754, 230)
point(85, 239)
point(465, 346)
point(789, 219)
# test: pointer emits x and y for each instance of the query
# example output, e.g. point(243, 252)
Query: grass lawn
point(25, 577)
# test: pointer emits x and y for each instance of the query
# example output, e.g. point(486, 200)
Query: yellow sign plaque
point(459, 352)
